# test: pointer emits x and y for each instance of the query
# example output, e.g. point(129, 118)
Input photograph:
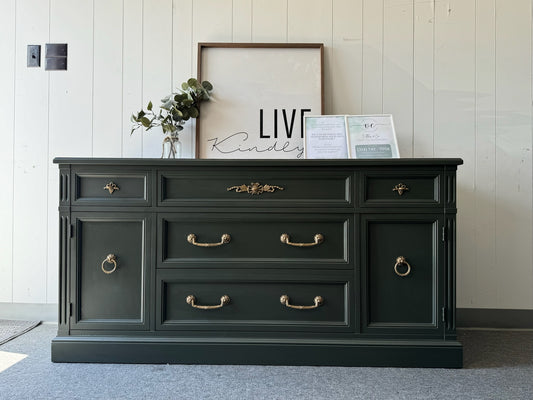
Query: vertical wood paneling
point(486, 269)
point(345, 73)
point(71, 107)
point(513, 154)
point(132, 75)
point(242, 21)
point(398, 70)
point(182, 51)
point(107, 85)
point(424, 23)
point(455, 119)
point(269, 21)
point(157, 65)
point(372, 85)
point(30, 211)
point(7, 112)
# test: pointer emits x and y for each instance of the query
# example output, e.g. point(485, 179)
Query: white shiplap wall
point(455, 74)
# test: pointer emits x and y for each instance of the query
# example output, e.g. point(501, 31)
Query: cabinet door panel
point(105, 296)
point(393, 302)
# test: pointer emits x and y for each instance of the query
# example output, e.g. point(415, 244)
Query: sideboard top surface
point(259, 163)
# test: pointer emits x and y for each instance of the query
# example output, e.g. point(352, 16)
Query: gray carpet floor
point(497, 365)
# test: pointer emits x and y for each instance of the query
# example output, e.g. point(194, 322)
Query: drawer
point(194, 300)
point(401, 189)
point(261, 187)
point(253, 240)
point(120, 187)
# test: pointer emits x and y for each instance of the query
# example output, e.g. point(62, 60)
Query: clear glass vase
point(171, 146)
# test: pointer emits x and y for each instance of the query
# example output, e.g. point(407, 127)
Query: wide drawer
point(253, 240)
point(194, 300)
point(111, 187)
point(402, 188)
point(256, 187)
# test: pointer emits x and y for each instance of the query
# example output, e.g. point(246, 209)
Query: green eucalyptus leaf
point(207, 85)
point(192, 82)
point(145, 121)
point(194, 112)
point(149, 106)
point(184, 86)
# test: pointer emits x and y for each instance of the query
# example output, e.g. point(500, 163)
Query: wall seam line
point(13, 162)
point(47, 264)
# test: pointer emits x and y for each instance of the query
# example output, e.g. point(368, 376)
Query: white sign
point(325, 137)
point(371, 136)
point(261, 95)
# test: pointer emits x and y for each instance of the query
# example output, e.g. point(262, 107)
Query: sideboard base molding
point(346, 353)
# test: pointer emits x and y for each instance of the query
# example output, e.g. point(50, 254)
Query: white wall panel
point(7, 112)
point(345, 72)
point(398, 70)
point(107, 83)
point(455, 120)
point(132, 75)
point(372, 83)
point(513, 154)
point(30, 212)
point(242, 21)
point(269, 21)
point(486, 269)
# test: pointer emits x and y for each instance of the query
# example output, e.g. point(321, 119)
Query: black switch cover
point(34, 55)
point(55, 63)
point(56, 50)
point(56, 56)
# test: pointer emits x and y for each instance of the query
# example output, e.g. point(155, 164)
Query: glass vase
point(171, 146)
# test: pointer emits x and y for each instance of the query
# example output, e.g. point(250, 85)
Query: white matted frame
point(262, 92)
point(325, 137)
point(371, 136)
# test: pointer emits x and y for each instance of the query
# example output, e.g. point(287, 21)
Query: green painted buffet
point(287, 262)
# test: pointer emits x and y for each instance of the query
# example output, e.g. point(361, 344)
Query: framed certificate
point(325, 137)
point(371, 136)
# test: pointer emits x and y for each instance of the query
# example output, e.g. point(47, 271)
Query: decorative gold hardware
point(224, 300)
point(285, 301)
point(318, 238)
point(401, 261)
point(255, 188)
point(225, 238)
point(111, 187)
point(400, 188)
point(111, 259)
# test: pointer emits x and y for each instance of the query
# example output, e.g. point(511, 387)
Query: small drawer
point(254, 240)
point(401, 189)
point(262, 300)
point(264, 187)
point(111, 187)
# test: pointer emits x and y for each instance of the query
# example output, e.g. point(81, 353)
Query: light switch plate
point(34, 55)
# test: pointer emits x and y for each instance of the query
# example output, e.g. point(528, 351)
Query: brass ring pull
point(400, 188)
point(111, 187)
point(401, 261)
point(224, 300)
point(225, 238)
point(111, 259)
point(285, 301)
point(318, 238)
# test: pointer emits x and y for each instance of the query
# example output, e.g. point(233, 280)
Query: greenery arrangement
point(174, 111)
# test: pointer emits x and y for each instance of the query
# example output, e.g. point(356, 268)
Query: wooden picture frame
point(262, 92)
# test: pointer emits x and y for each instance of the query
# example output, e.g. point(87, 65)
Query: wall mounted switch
point(34, 55)
point(56, 56)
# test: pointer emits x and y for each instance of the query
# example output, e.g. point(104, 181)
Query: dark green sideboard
point(290, 262)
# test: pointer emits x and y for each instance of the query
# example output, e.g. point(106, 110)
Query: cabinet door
point(402, 261)
point(110, 271)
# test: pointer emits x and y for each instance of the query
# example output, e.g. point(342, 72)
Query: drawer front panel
point(401, 189)
point(254, 239)
point(111, 188)
point(306, 187)
point(110, 293)
point(400, 258)
point(253, 301)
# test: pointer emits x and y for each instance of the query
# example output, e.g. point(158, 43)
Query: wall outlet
point(34, 55)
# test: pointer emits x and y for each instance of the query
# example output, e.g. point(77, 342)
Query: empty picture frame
point(262, 92)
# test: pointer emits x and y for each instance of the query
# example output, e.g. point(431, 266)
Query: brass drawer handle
point(285, 301)
point(400, 188)
point(111, 187)
point(254, 188)
point(110, 259)
point(225, 238)
point(318, 238)
point(401, 261)
point(224, 300)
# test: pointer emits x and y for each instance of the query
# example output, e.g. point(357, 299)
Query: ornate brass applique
point(111, 187)
point(400, 188)
point(255, 188)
